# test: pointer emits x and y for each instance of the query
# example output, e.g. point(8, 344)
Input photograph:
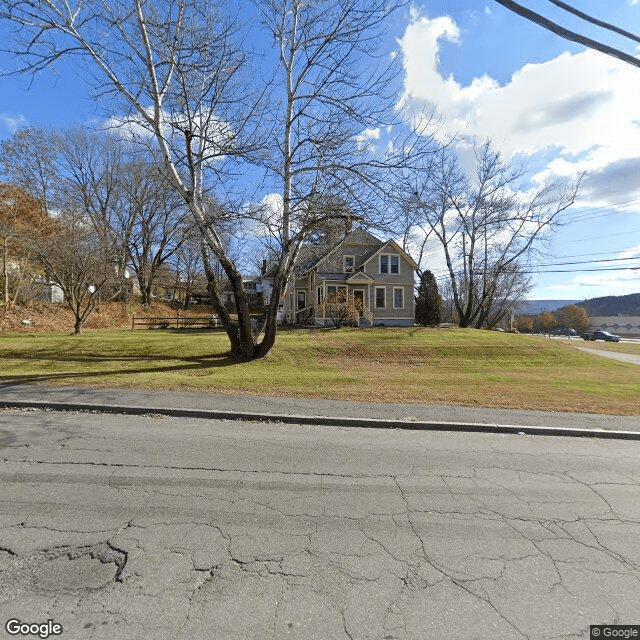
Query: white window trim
point(354, 295)
point(298, 292)
point(388, 256)
point(380, 263)
point(375, 297)
point(394, 297)
point(344, 264)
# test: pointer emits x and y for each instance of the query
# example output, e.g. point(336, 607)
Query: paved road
point(122, 527)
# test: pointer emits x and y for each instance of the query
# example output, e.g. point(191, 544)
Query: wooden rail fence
point(177, 322)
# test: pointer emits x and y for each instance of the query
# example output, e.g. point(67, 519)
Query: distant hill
point(613, 305)
point(534, 307)
point(628, 305)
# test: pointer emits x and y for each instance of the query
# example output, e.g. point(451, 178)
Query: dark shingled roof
point(310, 254)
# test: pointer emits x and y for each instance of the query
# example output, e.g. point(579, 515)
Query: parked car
point(565, 332)
point(600, 335)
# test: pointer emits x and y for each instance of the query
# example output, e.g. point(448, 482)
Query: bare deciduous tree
point(155, 217)
point(72, 258)
point(28, 159)
point(137, 217)
point(177, 68)
point(488, 227)
point(90, 170)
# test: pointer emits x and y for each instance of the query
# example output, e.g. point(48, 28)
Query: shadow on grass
point(214, 361)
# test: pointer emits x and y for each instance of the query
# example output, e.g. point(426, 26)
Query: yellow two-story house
point(377, 273)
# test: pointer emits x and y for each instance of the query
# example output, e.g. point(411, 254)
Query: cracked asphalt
point(126, 527)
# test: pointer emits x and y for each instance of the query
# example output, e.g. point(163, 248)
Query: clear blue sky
point(552, 105)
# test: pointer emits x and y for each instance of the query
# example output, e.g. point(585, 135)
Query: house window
point(380, 294)
point(398, 298)
point(302, 300)
point(319, 295)
point(333, 289)
point(358, 298)
point(349, 264)
point(389, 263)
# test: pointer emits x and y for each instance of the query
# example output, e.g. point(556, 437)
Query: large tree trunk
point(145, 293)
point(5, 272)
point(213, 287)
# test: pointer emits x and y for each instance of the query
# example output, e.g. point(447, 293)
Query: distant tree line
point(568, 317)
point(85, 211)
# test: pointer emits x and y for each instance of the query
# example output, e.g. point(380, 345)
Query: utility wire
point(573, 36)
point(560, 264)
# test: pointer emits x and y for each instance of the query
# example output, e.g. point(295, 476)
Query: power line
point(584, 270)
point(609, 235)
point(582, 255)
point(613, 205)
point(574, 36)
point(560, 264)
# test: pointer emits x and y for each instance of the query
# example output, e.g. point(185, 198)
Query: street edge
point(330, 421)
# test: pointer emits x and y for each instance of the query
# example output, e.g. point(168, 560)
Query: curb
point(364, 423)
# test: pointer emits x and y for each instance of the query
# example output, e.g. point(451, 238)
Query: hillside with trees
point(628, 305)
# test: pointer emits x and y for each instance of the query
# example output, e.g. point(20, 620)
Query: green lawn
point(440, 366)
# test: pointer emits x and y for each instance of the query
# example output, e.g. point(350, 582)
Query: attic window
point(389, 263)
point(349, 264)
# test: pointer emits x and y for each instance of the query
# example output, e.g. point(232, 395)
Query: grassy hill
point(464, 367)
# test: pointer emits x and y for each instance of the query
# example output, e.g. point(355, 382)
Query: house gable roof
point(359, 277)
point(396, 248)
point(311, 256)
point(357, 237)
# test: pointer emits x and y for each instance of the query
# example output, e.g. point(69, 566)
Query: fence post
point(178, 321)
point(133, 322)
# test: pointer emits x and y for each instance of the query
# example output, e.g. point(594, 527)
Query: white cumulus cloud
point(580, 110)
point(12, 122)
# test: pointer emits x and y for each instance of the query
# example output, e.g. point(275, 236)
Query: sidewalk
point(315, 411)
